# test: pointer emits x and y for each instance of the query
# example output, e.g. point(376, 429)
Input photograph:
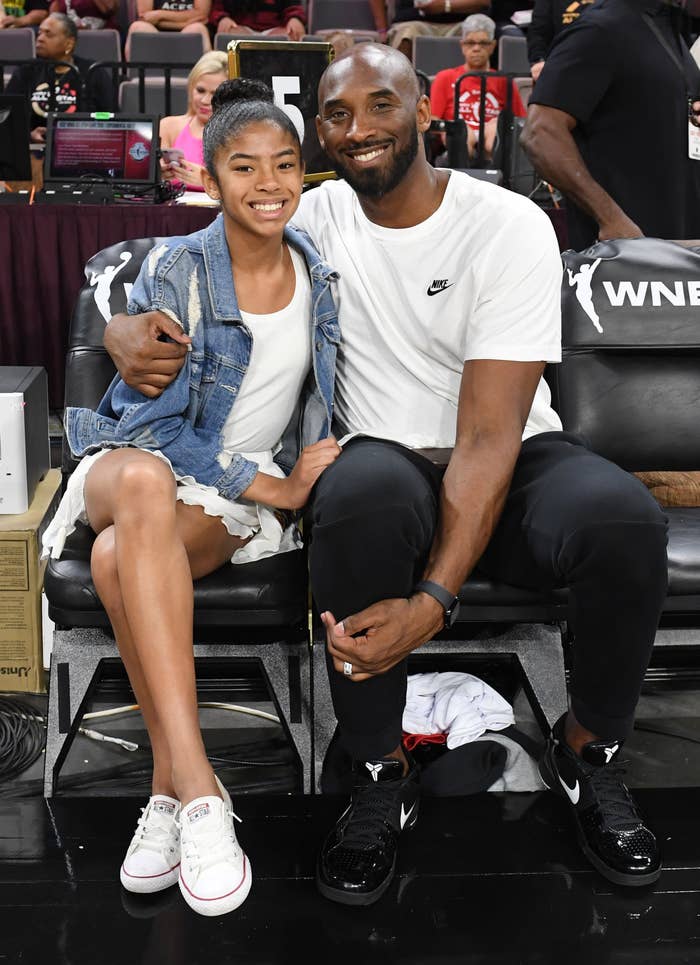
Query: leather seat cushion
point(269, 592)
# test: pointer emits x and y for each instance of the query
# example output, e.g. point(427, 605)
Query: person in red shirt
point(478, 43)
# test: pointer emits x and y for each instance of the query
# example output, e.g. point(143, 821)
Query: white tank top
point(279, 363)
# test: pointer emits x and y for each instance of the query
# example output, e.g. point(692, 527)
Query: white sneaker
point(152, 861)
point(215, 874)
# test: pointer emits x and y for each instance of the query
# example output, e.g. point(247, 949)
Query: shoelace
point(369, 816)
point(153, 830)
point(222, 847)
point(615, 802)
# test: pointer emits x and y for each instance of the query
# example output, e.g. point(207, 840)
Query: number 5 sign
point(293, 71)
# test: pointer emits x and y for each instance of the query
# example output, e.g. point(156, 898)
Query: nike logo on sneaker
point(405, 815)
point(573, 793)
point(439, 285)
point(610, 752)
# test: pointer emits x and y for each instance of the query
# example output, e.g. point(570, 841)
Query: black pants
point(571, 519)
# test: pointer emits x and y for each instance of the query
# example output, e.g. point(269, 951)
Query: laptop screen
point(87, 147)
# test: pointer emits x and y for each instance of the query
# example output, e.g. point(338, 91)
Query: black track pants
point(571, 518)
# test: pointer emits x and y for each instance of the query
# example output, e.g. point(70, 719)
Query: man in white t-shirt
point(453, 460)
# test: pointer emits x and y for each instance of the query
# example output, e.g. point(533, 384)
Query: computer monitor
point(101, 147)
point(14, 138)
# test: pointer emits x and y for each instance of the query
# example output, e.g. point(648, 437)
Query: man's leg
point(574, 519)
point(373, 517)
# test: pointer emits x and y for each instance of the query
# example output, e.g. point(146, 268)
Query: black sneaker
point(610, 829)
point(358, 857)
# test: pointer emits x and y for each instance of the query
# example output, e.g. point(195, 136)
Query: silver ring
point(347, 669)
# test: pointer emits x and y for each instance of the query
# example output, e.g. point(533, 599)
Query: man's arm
point(31, 19)
point(548, 141)
point(494, 402)
point(145, 363)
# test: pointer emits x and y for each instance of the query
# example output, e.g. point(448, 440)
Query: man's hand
point(536, 69)
point(145, 363)
point(226, 25)
point(384, 634)
point(619, 227)
point(295, 28)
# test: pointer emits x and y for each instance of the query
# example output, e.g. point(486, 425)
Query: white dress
point(279, 363)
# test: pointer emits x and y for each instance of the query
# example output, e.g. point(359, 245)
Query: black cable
point(22, 736)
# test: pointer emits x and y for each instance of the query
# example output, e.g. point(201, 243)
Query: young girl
point(185, 482)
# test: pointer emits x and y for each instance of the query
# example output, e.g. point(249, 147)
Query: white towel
point(457, 704)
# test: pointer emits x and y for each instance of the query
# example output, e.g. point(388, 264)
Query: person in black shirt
point(610, 122)
point(549, 18)
point(57, 82)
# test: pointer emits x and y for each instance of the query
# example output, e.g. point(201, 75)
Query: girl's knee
point(145, 482)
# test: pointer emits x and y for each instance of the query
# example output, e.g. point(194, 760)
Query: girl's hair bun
point(239, 90)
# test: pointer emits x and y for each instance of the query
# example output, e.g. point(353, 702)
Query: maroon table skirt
point(43, 251)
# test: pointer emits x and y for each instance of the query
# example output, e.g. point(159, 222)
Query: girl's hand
point(312, 462)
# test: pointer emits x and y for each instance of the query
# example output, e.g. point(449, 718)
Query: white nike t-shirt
point(479, 279)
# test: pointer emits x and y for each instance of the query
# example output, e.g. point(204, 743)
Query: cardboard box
point(21, 577)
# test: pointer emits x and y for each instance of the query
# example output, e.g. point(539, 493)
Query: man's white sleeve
point(518, 311)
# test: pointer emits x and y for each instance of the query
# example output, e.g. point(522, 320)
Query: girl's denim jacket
point(191, 280)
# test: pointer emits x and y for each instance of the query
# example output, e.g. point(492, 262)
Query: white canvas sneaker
point(152, 861)
point(215, 874)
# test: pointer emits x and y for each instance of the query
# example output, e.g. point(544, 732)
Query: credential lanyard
point(684, 63)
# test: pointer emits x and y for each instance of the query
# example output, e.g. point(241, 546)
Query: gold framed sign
point(292, 69)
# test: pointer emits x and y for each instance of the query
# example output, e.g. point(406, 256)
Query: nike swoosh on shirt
point(573, 793)
point(436, 291)
point(405, 815)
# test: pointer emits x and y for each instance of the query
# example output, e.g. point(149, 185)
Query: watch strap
point(446, 599)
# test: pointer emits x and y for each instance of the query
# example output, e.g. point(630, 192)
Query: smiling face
point(201, 95)
point(259, 176)
point(52, 41)
point(477, 49)
point(370, 116)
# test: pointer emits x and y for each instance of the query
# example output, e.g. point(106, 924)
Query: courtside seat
point(15, 44)
point(433, 54)
point(178, 51)
point(99, 45)
point(154, 98)
point(256, 612)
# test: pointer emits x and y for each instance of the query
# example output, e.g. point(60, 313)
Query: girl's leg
point(143, 568)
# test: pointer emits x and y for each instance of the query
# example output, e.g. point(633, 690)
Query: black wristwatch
point(447, 601)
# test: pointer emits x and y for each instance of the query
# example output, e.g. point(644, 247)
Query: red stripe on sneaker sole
point(218, 897)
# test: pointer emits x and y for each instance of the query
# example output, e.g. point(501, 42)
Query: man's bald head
point(385, 66)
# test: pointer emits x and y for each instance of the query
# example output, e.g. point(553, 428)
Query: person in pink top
point(183, 132)
point(478, 43)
